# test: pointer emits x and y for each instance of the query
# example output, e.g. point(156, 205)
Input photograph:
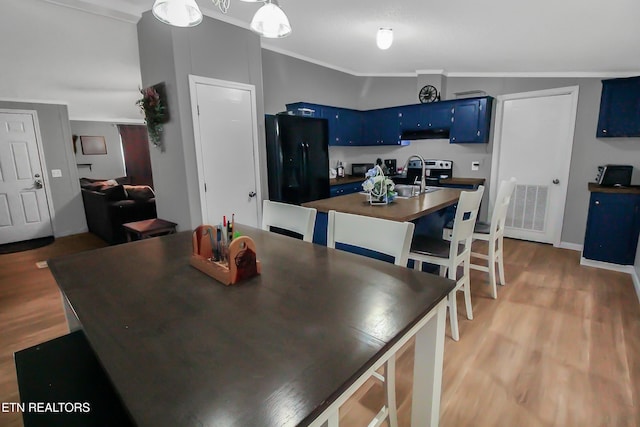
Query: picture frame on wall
point(93, 145)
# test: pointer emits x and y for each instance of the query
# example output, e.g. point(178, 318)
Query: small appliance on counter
point(391, 165)
point(614, 175)
point(360, 169)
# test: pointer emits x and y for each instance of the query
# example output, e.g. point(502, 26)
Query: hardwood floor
point(559, 347)
point(30, 308)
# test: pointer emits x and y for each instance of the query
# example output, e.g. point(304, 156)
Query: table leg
point(427, 370)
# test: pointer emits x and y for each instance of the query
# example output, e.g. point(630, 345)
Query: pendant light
point(384, 38)
point(270, 21)
point(180, 13)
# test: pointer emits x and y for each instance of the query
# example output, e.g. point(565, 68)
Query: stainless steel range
point(435, 170)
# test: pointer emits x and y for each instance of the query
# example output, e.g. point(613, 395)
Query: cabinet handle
point(478, 133)
point(453, 110)
point(604, 131)
point(480, 107)
point(597, 202)
point(452, 120)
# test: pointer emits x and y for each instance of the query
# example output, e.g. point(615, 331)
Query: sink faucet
point(423, 184)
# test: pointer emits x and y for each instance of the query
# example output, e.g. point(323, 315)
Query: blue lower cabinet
point(342, 189)
point(613, 225)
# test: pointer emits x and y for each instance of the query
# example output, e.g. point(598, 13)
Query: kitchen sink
point(406, 191)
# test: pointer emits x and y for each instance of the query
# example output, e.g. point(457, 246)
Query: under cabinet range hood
point(431, 133)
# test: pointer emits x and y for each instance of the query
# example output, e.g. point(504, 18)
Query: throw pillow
point(139, 192)
point(114, 192)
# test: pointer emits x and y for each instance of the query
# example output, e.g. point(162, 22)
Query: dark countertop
point(463, 181)
point(347, 179)
point(595, 188)
point(400, 210)
point(184, 350)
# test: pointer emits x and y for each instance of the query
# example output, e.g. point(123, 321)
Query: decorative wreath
point(155, 113)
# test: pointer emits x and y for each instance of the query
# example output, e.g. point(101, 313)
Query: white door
point(225, 127)
point(534, 137)
point(24, 212)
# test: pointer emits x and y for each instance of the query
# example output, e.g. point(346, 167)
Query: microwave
point(614, 175)
point(360, 169)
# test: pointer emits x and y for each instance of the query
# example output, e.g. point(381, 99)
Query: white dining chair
point(293, 218)
point(450, 254)
point(391, 238)
point(493, 233)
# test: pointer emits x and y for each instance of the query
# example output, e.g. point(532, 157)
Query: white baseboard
point(572, 246)
point(636, 282)
point(607, 265)
point(629, 269)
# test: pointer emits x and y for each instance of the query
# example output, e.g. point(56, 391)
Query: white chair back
point(289, 217)
point(465, 220)
point(391, 238)
point(501, 207)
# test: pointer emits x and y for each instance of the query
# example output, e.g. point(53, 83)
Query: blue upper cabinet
point(348, 127)
point(471, 120)
point(463, 121)
point(381, 127)
point(619, 108)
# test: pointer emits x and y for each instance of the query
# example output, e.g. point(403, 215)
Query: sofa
point(110, 203)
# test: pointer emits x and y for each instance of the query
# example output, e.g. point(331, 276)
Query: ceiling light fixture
point(180, 13)
point(384, 38)
point(269, 21)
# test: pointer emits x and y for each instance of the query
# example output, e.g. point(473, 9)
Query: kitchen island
point(427, 211)
point(285, 348)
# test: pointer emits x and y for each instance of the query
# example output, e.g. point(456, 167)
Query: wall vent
point(528, 208)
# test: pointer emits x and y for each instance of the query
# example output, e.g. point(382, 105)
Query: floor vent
point(528, 208)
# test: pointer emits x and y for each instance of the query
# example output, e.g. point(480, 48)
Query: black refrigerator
point(297, 158)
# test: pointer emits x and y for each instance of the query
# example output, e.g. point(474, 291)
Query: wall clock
point(428, 94)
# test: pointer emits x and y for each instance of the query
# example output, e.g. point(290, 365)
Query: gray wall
point(375, 92)
point(110, 165)
point(68, 211)
point(168, 54)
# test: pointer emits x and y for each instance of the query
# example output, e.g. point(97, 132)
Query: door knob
point(252, 194)
point(556, 181)
point(37, 184)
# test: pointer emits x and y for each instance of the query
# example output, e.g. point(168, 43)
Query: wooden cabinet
point(342, 189)
point(619, 108)
point(471, 121)
point(464, 121)
point(613, 225)
point(381, 127)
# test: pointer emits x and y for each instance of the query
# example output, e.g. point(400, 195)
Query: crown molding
point(544, 74)
point(129, 16)
point(35, 101)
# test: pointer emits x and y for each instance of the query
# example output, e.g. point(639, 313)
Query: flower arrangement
point(380, 188)
point(155, 113)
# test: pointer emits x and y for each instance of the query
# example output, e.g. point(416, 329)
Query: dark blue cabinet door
point(613, 224)
point(408, 117)
point(435, 116)
point(390, 126)
point(619, 108)
point(349, 123)
point(342, 189)
point(466, 125)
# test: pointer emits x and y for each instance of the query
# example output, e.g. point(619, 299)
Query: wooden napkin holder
point(242, 256)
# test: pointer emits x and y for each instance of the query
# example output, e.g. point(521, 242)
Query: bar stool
point(449, 254)
point(293, 218)
point(387, 237)
point(494, 234)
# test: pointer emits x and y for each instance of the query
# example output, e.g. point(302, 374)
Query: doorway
point(24, 196)
point(226, 141)
point(533, 143)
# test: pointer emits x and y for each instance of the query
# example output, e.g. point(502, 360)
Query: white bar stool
point(449, 254)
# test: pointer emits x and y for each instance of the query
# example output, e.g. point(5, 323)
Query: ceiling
point(452, 37)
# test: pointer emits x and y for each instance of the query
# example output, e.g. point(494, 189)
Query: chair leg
point(443, 270)
point(417, 265)
point(453, 316)
point(503, 281)
point(466, 280)
point(390, 390)
point(491, 263)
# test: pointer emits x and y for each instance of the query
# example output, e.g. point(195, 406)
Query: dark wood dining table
point(285, 348)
